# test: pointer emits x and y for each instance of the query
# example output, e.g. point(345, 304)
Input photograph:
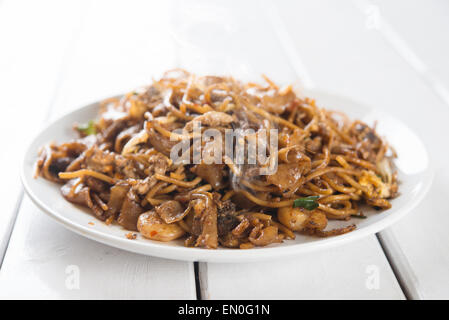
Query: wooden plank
point(319, 275)
point(45, 261)
point(346, 54)
point(422, 26)
point(33, 49)
point(354, 271)
point(110, 55)
point(414, 42)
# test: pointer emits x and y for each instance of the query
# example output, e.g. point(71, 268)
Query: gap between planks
point(11, 224)
point(400, 265)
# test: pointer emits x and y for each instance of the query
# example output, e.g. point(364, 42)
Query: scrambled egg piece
point(374, 184)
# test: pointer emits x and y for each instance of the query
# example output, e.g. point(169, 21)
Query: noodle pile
point(121, 165)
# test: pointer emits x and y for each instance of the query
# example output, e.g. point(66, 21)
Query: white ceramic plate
point(414, 173)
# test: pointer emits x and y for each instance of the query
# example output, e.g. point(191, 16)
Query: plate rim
point(222, 255)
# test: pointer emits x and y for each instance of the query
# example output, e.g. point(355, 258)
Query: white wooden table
point(57, 55)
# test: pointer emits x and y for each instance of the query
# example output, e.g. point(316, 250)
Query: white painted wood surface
point(423, 27)
point(63, 56)
point(353, 271)
point(421, 242)
point(42, 257)
point(30, 61)
point(46, 261)
point(364, 64)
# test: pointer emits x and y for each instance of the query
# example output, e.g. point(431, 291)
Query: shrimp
point(151, 226)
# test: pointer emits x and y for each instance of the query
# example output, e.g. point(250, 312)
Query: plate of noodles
point(209, 168)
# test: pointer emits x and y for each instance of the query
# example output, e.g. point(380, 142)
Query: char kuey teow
point(120, 166)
